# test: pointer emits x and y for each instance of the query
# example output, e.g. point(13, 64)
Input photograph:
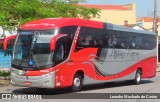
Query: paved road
point(147, 86)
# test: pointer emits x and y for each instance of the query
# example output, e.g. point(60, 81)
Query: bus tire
point(77, 82)
point(138, 77)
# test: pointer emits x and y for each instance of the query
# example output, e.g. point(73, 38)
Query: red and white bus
point(64, 52)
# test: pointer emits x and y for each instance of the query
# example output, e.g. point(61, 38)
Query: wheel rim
point(77, 82)
point(138, 77)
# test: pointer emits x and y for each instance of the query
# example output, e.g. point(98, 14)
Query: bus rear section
point(56, 53)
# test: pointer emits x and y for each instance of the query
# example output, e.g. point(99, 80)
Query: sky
point(144, 7)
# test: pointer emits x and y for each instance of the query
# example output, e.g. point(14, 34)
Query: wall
point(118, 16)
point(149, 25)
point(5, 58)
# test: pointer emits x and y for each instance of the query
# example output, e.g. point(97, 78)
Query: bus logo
point(30, 63)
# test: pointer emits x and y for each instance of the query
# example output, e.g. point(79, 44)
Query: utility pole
point(155, 25)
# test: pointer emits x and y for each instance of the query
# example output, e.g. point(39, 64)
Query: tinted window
point(70, 31)
point(105, 38)
point(91, 38)
point(148, 42)
point(118, 39)
point(136, 41)
point(63, 44)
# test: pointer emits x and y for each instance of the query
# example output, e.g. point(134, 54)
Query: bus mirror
point(7, 40)
point(54, 40)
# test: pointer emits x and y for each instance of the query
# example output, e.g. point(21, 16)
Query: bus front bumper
point(43, 81)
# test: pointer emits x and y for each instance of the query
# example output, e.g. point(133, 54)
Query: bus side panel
point(150, 65)
point(67, 70)
point(63, 75)
point(85, 58)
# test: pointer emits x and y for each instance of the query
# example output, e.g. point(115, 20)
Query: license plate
point(27, 83)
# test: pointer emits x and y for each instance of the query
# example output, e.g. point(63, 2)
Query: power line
point(150, 14)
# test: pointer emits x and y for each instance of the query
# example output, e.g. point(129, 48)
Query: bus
point(72, 52)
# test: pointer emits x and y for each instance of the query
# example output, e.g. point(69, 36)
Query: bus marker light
point(58, 84)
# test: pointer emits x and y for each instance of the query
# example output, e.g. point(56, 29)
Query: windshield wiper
point(20, 63)
point(35, 36)
point(35, 59)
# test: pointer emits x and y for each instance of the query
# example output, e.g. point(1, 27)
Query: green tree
point(16, 12)
point(74, 1)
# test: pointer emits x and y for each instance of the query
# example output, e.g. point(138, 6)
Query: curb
point(5, 78)
point(158, 70)
point(5, 81)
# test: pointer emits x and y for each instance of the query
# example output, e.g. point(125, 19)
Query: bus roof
point(51, 23)
point(127, 29)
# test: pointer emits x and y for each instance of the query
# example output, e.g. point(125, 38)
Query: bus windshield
point(32, 49)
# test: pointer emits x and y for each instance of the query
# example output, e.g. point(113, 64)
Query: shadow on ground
point(68, 90)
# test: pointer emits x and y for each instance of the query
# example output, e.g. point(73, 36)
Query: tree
point(16, 12)
point(74, 1)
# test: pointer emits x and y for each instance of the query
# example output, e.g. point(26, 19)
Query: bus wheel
point(77, 82)
point(138, 77)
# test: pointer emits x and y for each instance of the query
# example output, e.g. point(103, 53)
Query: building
point(5, 58)
point(6, 33)
point(138, 27)
point(116, 14)
point(147, 23)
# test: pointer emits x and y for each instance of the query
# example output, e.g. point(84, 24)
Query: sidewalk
point(158, 68)
point(4, 82)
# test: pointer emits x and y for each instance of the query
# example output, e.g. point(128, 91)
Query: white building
point(6, 32)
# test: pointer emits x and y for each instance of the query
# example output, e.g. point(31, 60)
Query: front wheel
point(138, 77)
point(77, 82)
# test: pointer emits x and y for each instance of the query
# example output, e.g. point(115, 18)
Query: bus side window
point(91, 38)
point(105, 41)
point(60, 52)
point(149, 42)
point(70, 31)
point(88, 40)
point(80, 41)
point(133, 43)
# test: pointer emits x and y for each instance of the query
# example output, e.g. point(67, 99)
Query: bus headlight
point(49, 74)
point(45, 75)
